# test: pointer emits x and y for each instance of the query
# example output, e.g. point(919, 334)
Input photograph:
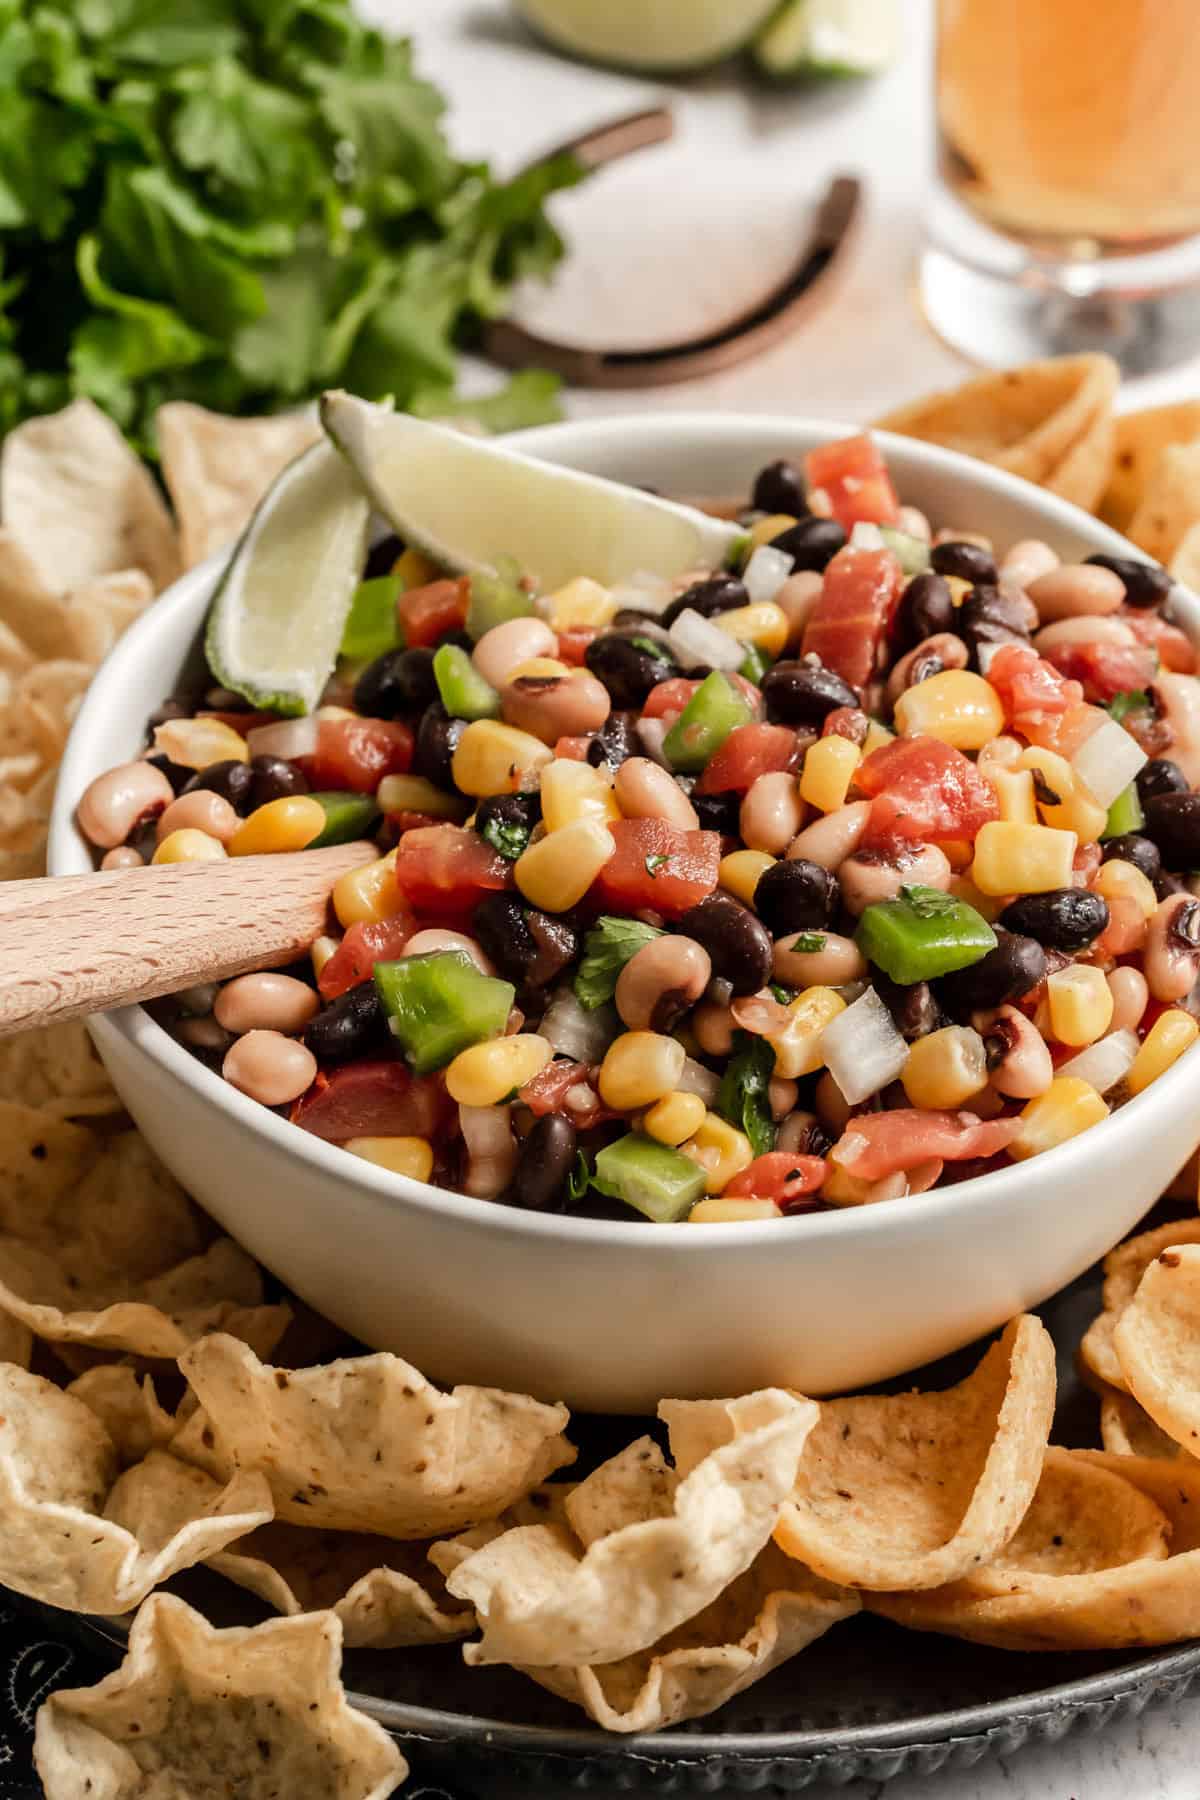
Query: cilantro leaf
point(1132, 700)
point(508, 837)
point(607, 947)
point(928, 902)
point(580, 1178)
point(742, 1098)
point(655, 862)
point(808, 943)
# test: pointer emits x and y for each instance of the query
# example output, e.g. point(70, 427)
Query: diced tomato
point(846, 721)
point(428, 613)
point(780, 1176)
point(373, 1097)
point(547, 1093)
point(924, 790)
point(573, 643)
point(572, 749)
point(365, 944)
point(448, 868)
point(850, 619)
point(673, 695)
point(748, 752)
point(1043, 705)
point(358, 753)
point(658, 866)
point(1176, 651)
point(854, 475)
point(877, 1144)
point(1105, 670)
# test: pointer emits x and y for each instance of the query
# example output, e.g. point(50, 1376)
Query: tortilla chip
point(81, 503)
point(83, 622)
point(258, 1711)
point(57, 1071)
point(16, 1342)
point(72, 1534)
point(542, 1599)
point(1123, 1270)
point(126, 1405)
point(1083, 471)
point(1127, 1430)
point(217, 469)
point(1141, 438)
point(1157, 1343)
point(1170, 504)
point(366, 1443)
point(913, 1490)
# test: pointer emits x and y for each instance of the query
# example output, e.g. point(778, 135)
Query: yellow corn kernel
point(414, 569)
point(195, 743)
point(731, 1212)
point(945, 1068)
point(556, 872)
point(580, 602)
point(674, 1118)
point(639, 1068)
point(491, 758)
point(538, 666)
point(990, 906)
point(1067, 1107)
point(956, 706)
point(877, 736)
point(797, 1045)
point(575, 790)
point(959, 589)
point(1121, 880)
point(1080, 1003)
point(840, 1188)
point(1021, 859)
point(762, 623)
point(719, 1150)
point(323, 948)
point(287, 824)
point(1173, 1032)
point(365, 895)
point(335, 712)
point(1075, 809)
point(410, 1156)
point(413, 794)
point(773, 526)
point(489, 1074)
point(828, 770)
point(189, 845)
point(1014, 791)
point(741, 871)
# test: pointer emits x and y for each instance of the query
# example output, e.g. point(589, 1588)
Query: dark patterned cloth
point(33, 1662)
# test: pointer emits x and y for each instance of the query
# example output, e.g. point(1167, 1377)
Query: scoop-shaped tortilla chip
point(1157, 1343)
point(71, 1534)
point(1108, 1558)
point(1126, 1429)
point(1140, 439)
point(912, 1490)
point(1170, 504)
point(57, 1071)
point(542, 1600)
point(367, 1444)
point(83, 622)
point(1123, 1270)
point(217, 468)
point(81, 503)
point(126, 1405)
point(257, 1711)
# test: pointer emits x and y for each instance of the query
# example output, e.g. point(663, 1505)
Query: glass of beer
point(1067, 210)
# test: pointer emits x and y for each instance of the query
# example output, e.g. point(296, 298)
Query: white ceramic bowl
point(607, 1316)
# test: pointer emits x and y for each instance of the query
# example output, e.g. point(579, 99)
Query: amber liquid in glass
point(1073, 124)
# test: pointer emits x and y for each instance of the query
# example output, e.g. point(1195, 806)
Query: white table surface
point(674, 239)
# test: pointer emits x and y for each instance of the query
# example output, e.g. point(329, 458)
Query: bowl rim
point(66, 854)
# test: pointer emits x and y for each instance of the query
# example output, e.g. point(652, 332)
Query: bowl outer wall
point(611, 1316)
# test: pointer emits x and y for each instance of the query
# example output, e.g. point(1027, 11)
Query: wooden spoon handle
point(85, 943)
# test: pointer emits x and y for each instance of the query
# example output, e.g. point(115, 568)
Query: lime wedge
point(666, 37)
point(279, 612)
point(816, 39)
point(467, 502)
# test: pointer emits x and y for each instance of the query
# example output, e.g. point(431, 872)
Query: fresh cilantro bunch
point(239, 202)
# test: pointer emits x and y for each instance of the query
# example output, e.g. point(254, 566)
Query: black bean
point(223, 699)
point(989, 615)
point(271, 778)
point(1064, 919)
point(739, 944)
point(546, 1159)
point(397, 682)
point(1146, 583)
point(627, 670)
point(1015, 965)
point(796, 896)
point(926, 607)
point(232, 780)
point(529, 948)
point(716, 594)
point(811, 544)
point(616, 741)
point(1134, 847)
point(804, 693)
point(718, 812)
point(352, 1025)
point(1173, 822)
point(1160, 776)
point(178, 774)
point(1164, 886)
point(437, 738)
point(382, 556)
point(779, 488)
point(970, 562)
point(500, 810)
point(915, 1010)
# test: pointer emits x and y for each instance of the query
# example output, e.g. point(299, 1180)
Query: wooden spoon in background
point(85, 943)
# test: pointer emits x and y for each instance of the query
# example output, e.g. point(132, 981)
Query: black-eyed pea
point(505, 647)
point(1019, 1063)
point(550, 707)
point(201, 810)
point(796, 600)
point(771, 812)
point(782, 1096)
point(661, 982)
point(838, 961)
point(435, 937)
point(828, 841)
point(1076, 590)
point(202, 1033)
point(120, 799)
point(1025, 560)
point(1131, 996)
point(265, 1002)
point(1171, 960)
point(269, 1068)
point(713, 1028)
point(870, 876)
point(1082, 630)
point(644, 790)
point(124, 856)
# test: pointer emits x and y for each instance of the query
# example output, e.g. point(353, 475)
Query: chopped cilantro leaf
point(743, 1095)
point(928, 902)
point(607, 947)
point(655, 863)
point(808, 943)
point(1132, 700)
point(580, 1178)
point(508, 837)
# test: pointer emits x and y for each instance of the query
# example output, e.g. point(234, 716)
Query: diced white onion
point(649, 629)
point(1105, 1062)
point(289, 738)
point(644, 593)
point(987, 654)
point(652, 732)
point(866, 536)
point(1107, 761)
point(766, 573)
point(696, 640)
point(696, 1079)
point(863, 1051)
point(574, 1031)
point(491, 1149)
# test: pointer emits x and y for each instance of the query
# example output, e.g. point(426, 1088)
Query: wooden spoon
point(84, 943)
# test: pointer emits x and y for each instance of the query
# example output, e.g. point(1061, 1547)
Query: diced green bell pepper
point(912, 553)
point(465, 694)
point(440, 1004)
point(1125, 813)
point(496, 598)
point(922, 934)
point(755, 664)
point(373, 626)
point(714, 710)
point(347, 816)
point(650, 1177)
